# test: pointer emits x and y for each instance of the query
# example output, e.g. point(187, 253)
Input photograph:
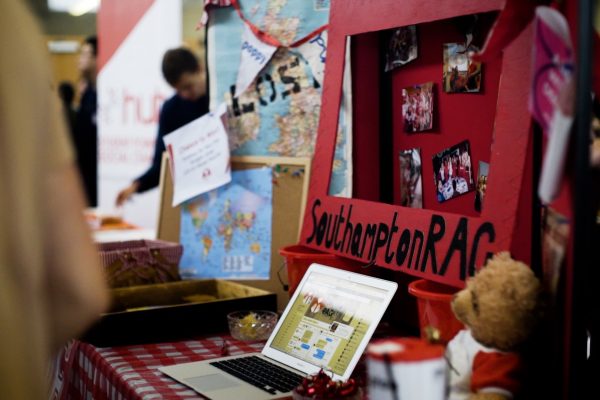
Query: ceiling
point(58, 23)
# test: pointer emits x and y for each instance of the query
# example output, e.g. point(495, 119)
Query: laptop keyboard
point(260, 373)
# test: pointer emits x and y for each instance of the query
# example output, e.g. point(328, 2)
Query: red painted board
point(457, 116)
point(441, 246)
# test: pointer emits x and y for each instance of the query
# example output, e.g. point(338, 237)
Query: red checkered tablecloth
point(83, 371)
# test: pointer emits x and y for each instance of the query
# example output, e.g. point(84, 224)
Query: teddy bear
point(499, 307)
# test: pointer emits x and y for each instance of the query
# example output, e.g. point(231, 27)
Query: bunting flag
point(255, 54)
point(314, 52)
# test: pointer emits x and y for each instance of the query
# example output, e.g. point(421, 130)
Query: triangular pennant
point(314, 52)
point(254, 56)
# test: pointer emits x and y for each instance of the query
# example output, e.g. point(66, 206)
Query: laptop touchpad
point(211, 382)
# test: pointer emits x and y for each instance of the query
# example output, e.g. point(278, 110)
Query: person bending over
point(182, 71)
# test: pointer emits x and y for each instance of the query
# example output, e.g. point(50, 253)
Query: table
point(83, 371)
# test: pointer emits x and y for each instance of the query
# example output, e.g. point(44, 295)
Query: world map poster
point(226, 233)
point(278, 114)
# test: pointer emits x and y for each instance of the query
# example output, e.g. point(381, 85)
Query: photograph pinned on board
point(461, 74)
point(411, 188)
point(402, 47)
point(417, 107)
point(482, 176)
point(452, 172)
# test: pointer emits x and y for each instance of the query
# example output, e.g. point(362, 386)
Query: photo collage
point(454, 174)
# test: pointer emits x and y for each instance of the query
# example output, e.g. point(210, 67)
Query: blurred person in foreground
point(85, 134)
point(51, 283)
point(182, 71)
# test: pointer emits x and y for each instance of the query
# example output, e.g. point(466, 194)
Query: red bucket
point(298, 259)
point(433, 301)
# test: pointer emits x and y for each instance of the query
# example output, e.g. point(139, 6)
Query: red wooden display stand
point(444, 244)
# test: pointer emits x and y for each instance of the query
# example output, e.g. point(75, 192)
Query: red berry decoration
point(322, 387)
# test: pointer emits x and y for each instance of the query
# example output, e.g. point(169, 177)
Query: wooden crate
point(174, 311)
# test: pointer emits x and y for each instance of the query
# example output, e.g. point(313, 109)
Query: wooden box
point(174, 311)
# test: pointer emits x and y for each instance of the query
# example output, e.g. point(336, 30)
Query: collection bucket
point(298, 258)
point(435, 312)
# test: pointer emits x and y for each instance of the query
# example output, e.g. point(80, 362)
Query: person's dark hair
point(92, 41)
point(66, 92)
point(176, 62)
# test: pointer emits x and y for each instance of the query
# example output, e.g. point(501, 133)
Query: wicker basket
point(140, 262)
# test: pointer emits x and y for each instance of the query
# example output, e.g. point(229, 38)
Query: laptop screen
point(328, 321)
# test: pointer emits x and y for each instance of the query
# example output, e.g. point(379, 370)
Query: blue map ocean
point(226, 233)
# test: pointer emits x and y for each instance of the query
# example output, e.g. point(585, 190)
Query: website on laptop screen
point(328, 321)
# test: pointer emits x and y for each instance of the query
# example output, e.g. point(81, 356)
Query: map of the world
point(226, 233)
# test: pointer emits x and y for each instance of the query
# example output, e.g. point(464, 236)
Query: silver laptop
point(327, 324)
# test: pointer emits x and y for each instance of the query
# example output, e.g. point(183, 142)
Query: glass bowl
point(251, 325)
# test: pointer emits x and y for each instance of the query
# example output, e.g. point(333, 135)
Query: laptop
point(327, 324)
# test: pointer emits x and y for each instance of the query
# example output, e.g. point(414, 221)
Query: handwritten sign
point(199, 156)
point(254, 56)
point(445, 247)
point(426, 248)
